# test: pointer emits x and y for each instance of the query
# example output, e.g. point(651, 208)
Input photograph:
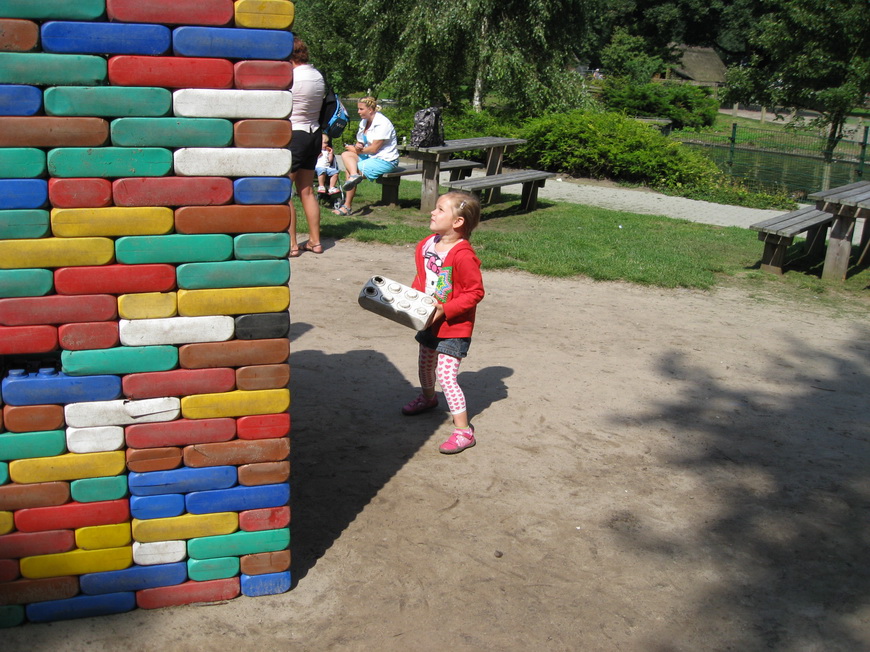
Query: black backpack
point(333, 115)
point(428, 128)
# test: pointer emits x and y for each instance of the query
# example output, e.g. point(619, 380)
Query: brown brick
point(265, 562)
point(264, 376)
point(153, 459)
point(43, 494)
point(264, 473)
point(238, 451)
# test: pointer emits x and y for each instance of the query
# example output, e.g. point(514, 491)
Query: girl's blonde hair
point(466, 206)
point(370, 102)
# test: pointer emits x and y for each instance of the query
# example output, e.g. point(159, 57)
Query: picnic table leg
point(839, 248)
point(431, 172)
point(494, 159)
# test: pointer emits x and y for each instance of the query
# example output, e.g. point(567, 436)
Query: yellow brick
point(235, 404)
point(7, 524)
point(77, 562)
point(264, 14)
point(56, 252)
point(111, 221)
point(233, 301)
point(147, 305)
point(72, 466)
point(186, 526)
point(97, 537)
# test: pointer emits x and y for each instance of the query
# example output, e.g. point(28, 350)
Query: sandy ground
point(657, 470)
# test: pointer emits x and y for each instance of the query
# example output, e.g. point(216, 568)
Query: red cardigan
point(460, 288)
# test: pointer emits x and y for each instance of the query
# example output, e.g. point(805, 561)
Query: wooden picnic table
point(846, 203)
point(433, 157)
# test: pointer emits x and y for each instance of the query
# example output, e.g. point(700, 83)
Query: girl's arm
point(468, 286)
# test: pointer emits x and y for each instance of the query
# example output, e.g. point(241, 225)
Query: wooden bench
point(531, 180)
point(778, 232)
point(458, 168)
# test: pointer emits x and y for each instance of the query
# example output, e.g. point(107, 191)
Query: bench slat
point(447, 166)
point(499, 180)
point(790, 224)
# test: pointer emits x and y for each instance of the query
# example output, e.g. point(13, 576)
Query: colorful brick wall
point(144, 297)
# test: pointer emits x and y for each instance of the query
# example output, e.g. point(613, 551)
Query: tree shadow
point(349, 437)
point(788, 533)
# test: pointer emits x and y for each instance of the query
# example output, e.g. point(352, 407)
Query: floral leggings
point(445, 368)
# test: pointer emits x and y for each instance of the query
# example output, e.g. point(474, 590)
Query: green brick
point(53, 9)
point(91, 490)
point(233, 274)
point(109, 162)
point(44, 69)
point(21, 162)
point(119, 360)
point(174, 248)
point(11, 615)
point(24, 223)
point(238, 543)
point(172, 132)
point(201, 570)
point(261, 246)
point(24, 445)
point(4, 472)
point(107, 101)
point(25, 282)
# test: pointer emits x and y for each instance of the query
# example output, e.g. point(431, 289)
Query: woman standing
point(308, 92)
point(375, 152)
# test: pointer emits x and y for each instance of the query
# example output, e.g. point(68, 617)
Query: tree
point(441, 51)
point(807, 54)
point(625, 56)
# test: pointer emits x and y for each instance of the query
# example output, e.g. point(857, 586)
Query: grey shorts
point(455, 347)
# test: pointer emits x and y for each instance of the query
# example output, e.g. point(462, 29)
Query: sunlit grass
point(561, 239)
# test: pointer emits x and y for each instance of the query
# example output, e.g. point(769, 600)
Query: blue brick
point(232, 43)
point(81, 606)
point(52, 388)
point(161, 506)
point(262, 190)
point(134, 578)
point(20, 100)
point(267, 584)
point(105, 38)
point(23, 193)
point(182, 480)
point(237, 499)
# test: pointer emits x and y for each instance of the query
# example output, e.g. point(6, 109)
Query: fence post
point(732, 140)
point(863, 155)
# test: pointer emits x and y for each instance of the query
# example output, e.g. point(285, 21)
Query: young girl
point(449, 270)
point(325, 168)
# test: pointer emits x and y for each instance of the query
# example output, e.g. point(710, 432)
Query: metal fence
point(787, 160)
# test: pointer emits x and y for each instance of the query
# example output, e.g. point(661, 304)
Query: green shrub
point(610, 145)
point(686, 106)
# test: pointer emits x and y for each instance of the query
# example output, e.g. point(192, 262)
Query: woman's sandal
point(313, 248)
point(295, 252)
point(341, 210)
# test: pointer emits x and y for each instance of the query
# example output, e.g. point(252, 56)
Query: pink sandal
point(461, 439)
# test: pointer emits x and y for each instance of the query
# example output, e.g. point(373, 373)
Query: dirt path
point(657, 470)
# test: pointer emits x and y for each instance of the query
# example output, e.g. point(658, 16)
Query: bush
point(686, 106)
point(610, 145)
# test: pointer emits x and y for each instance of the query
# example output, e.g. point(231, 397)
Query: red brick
point(188, 593)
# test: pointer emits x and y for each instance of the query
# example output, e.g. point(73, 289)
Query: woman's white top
point(381, 129)
point(308, 91)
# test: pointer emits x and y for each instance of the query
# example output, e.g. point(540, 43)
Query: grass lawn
point(561, 239)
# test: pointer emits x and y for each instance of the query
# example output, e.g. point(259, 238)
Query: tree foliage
point(807, 54)
point(447, 51)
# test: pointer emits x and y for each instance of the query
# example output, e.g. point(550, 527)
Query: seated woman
point(375, 152)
